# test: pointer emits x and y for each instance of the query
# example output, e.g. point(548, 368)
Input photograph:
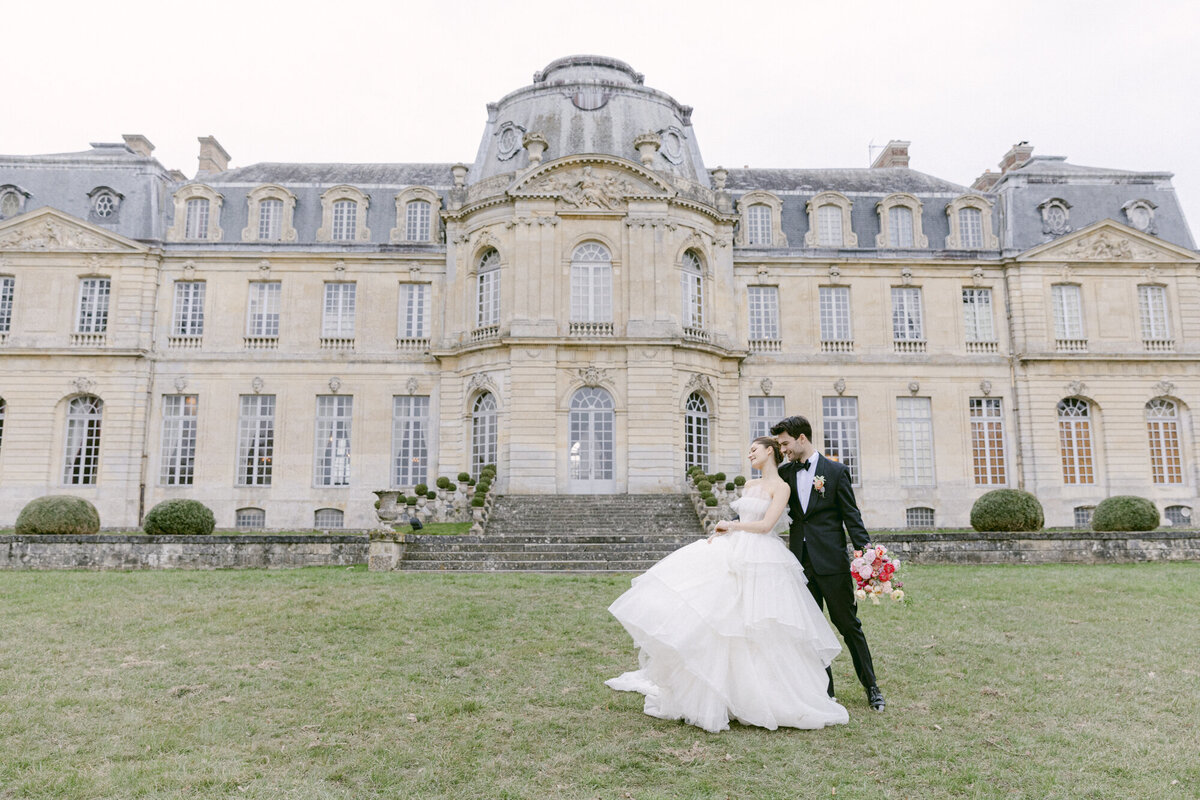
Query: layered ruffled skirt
point(728, 630)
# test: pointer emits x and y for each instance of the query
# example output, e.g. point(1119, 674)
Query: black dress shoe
point(875, 698)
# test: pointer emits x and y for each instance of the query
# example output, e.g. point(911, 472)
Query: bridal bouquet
point(873, 571)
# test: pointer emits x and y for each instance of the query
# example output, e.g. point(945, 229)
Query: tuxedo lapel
point(816, 462)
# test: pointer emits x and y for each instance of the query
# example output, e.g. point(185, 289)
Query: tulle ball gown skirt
point(728, 630)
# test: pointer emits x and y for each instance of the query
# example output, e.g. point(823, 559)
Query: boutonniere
point(819, 485)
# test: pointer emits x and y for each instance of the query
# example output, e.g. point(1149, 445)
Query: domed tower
point(589, 259)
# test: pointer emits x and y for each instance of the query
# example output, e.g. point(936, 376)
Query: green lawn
point(1002, 682)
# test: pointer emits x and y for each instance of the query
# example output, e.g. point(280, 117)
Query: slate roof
point(881, 181)
point(434, 175)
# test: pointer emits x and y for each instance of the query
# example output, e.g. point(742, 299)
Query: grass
point(1002, 682)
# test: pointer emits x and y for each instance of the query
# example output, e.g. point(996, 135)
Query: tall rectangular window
point(93, 305)
point(906, 314)
point(414, 311)
point(337, 321)
point(914, 419)
point(262, 313)
point(764, 412)
point(7, 287)
point(345, 220)
point(1152, 303)
point(416, 223)
point(692, 285)
point(900, 226)
point(1068, 311)
point(977, 315)
point(332, 452)
point(256, 439)
point(829, 226)
point(1166, 459)
point(987, 441)
point(488, 294)
point(839, 435)
point(270, 220)
point(970, 228)
point(410, 444)
point(764, 313)
point(835, 314)
point(81, 464)
point(196, 223)
point(1075, 440)
point(758, 225)
point(188, 318)
point(178, 439)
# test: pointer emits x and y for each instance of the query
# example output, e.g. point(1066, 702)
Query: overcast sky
point(1111, 83)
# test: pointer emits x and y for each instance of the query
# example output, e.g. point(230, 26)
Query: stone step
point(544, 555)
point(529, 566)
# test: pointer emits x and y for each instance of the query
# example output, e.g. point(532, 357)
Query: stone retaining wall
point(1042, 547)
point(105, 551)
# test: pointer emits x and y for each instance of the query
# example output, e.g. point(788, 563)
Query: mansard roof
point(434, 175)
point(880, 181)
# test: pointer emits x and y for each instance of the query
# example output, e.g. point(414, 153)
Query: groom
point(823, 511)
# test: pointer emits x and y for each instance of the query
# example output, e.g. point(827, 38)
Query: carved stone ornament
point(508, 140)
point(264, 266)
point(1150, 273)
point(181, 384)
point(1108, 246)
point(766, 385)
point(1067, 272)
point(593, 376)
point(83, 385)
point(985, 387)
point(763, 273)
point(719, 176)
point(1077, 388)
point(700, 382)
point(1163, 388)
point(839, 386)
point(906, 275)
point(257, 384)
point(189, 268)
point(479, 381)
point(53, 234)
point(835, 272)
point(585, 188)
point(977, 275)
point(339, 268)
point(647, 145)
point(412, 385)
point(535, 145)
point(914, 387)
point(335, 384)
point(1055, 213)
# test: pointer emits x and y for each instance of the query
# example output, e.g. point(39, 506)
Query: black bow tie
point(802, 465)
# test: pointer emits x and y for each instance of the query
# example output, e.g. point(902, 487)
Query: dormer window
point(197, 219)
point(1055, 213)
point(12, 201)
point(344, 215)
point(345, 220)
point(970, 224)
point(829, 221)
point(416, 216)
point(900, 223)
point(197, 214)
point(829, 226)
point(270, 212)
point(760, 224)
point(105, 203)
point(1140, 214)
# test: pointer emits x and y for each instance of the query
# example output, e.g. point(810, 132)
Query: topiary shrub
point(477, 501)
point(1007, 510)
point(739, 481)
point(401, 499)
point(704, 486)
point(420, 489)
point(463, 477)
point(720, 477)
point(444, 482)
point(57, 514)
point(710, 501)
point(1125, 512)
point(730, 486)
point(410, 501)
point(431, 495)
point(179, 518)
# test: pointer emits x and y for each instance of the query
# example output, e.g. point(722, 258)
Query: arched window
point(197, 218)
point(900, 226)
point(416, 226)
point(250, 518)
point(270, 219)
point(484, 429)
point(1162, 423)
point(970, 228)
point(1075, 441)
point(829, 226)
point(81, 463)
point(692, 283)
point(1178, 515)
point(695, 432)
point(758, 225)
point(918, 517)
point(345, 220)
point(328, 519)
point(591, 283)
point(591, 426)
point(487, 294)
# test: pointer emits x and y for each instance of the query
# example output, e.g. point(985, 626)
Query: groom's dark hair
point(793, 427)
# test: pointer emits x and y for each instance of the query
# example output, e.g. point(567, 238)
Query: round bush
point(431, 495)
point(710, 501)
point(1007, 510)
point(443, 482)
point(463, 477)
point(420, 488)
point(179, 518)
point(477, 501)
point(739, 481)
point(720, 477)
point(482, 487)
point(400, 498)
point(58, 514)
point(704, 486)
point(1125, 513)
point(410, 501)
point(730, 486)
point(451, 487)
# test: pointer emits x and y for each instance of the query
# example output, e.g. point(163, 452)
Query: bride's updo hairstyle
point(770, 443)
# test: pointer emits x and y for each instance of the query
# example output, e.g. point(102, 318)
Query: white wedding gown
point(726, 629)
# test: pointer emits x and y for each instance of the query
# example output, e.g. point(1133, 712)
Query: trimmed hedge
point(1125, 512)
point(179, 518)
point(704, 486)
point(420, 488)
point(1007, 510)
point(57, 514)
point(477, 501)
point(710, 501)
point(740, 480)
point(730, 486)
point(444, 482)
point(463, 477)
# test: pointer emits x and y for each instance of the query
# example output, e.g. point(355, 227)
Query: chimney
point(894, 154)
point(213, 157)
point(1018, 155)
point(986, 181)
point(138, 144)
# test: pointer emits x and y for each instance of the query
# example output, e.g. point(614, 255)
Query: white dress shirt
point(804, 480)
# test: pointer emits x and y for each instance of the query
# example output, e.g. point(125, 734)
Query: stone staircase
point(564, 533)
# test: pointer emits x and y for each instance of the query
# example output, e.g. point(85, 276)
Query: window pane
point(758, 225)
point(1166, 461)
point(977, 315)
point(414, 311)
point(839, 437)
point(835, 313)
point(188, 319)
point(764, 412)
point(695, 433)
point(93, 305)
point(178, 439)
point(328, 519)
point(410, 447)
point(900, 226)
point(918, 517)
point(270, 219)
point(484, 433)
point(250, 518)
point(591, 284)
point(337, 321)
point(256, 439)
point(915, 427)
point(987, 441)
point(332, 450)
point(829, 226)
point(82, 457)
point(263, 310)
point(906, 314)
point(1152, 302)
point(345, 220)
point(970, 228)
point(196, 226)
point(1075, 441)
point(764, 313)
point(1068, 312)
point(7, 288)
point(488, 290)
point(692, 286)
point(416, 228)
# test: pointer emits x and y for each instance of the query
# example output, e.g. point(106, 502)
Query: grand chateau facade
point(591, 308)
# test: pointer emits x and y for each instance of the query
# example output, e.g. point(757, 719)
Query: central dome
point(588, 104)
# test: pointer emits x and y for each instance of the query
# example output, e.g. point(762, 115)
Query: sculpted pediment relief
point(1108, 241)
point(52, 230)
point(604, 185)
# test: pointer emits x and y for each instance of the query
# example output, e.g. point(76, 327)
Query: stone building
point(590, 307)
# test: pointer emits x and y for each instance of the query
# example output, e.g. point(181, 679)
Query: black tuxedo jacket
point(831, 515)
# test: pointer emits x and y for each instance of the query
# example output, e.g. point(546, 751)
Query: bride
point(726, 628)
